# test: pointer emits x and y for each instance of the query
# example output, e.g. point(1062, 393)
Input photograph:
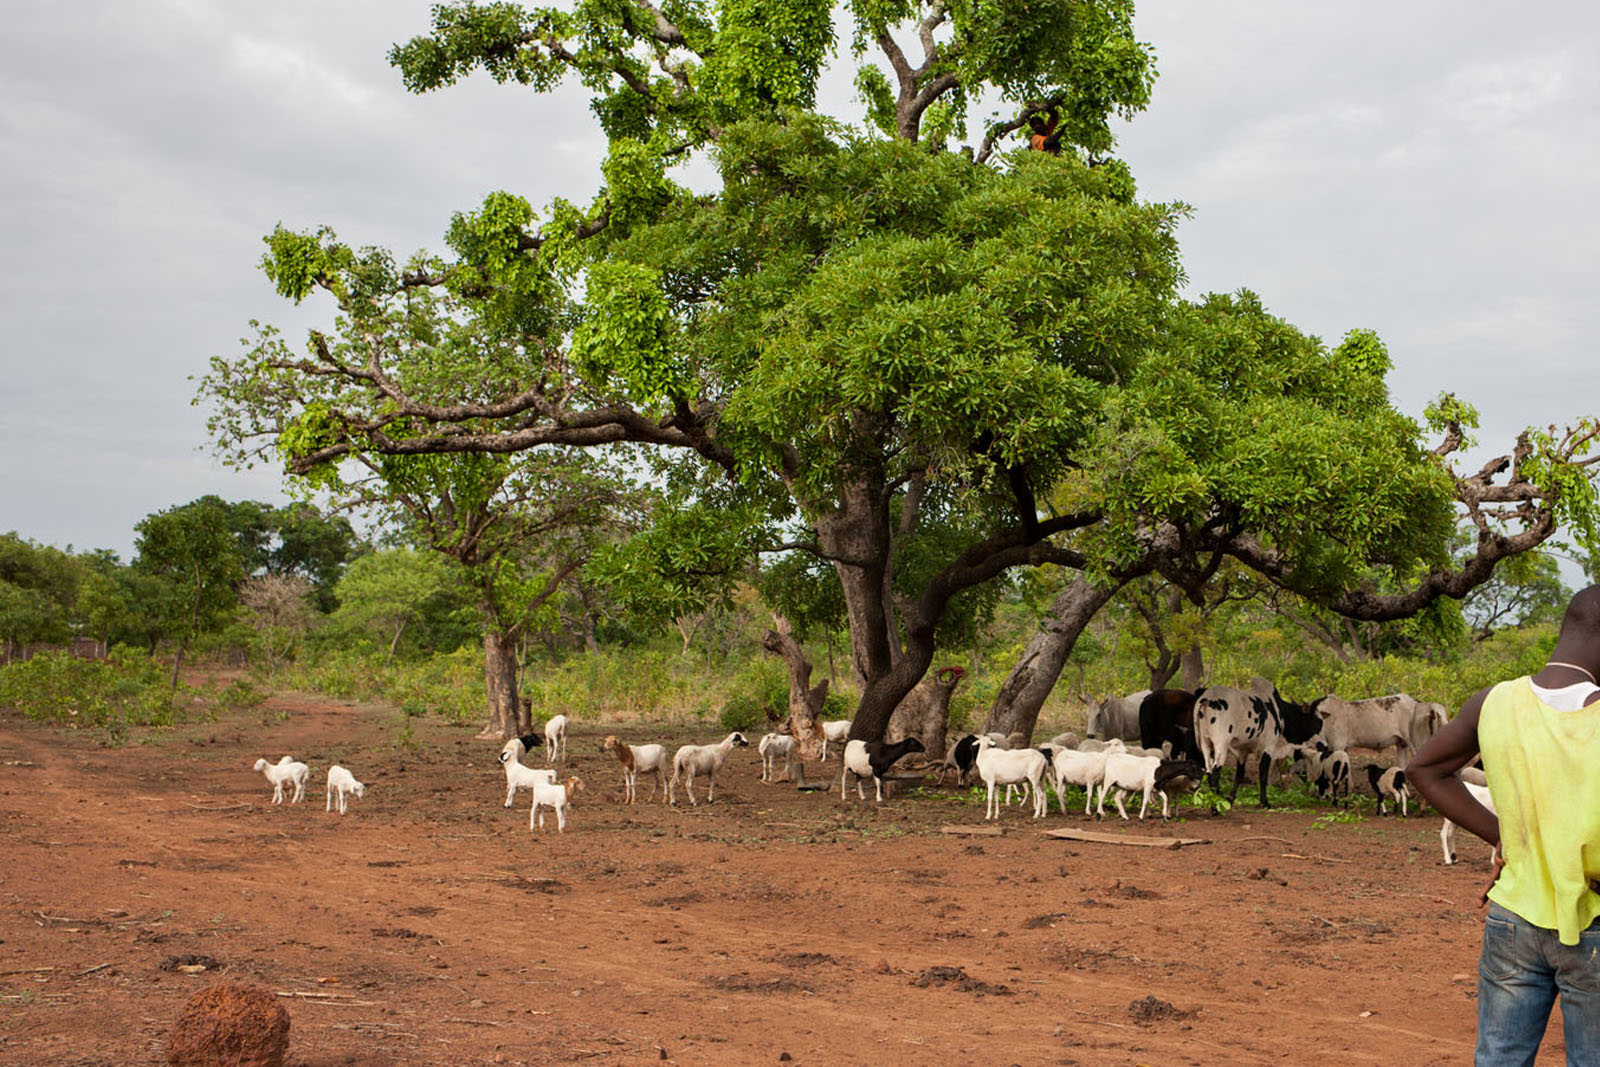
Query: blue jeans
point(1522, 968)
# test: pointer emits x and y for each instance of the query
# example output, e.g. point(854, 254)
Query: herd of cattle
point(1258, 727)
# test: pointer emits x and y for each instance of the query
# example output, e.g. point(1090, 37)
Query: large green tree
point(923, 366)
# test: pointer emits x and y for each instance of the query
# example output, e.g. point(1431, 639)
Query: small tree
point(280, 609)
point(194, 557)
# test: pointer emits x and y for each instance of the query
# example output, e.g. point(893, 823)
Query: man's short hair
point(1583, 612)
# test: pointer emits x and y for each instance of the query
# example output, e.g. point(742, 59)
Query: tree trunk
point(177, 665)
point(857, 536)
point(925, 713)
point(1194, 667)
point(500, 680)
point(1016, 705)
point(805, 699)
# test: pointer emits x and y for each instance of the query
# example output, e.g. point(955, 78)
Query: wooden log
point(1121, 839)
point(973, 831)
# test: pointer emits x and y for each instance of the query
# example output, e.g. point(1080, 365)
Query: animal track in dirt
point(802, 959)
point(958, 977)
point(745, 983)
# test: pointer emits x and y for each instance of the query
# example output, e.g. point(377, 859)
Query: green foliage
point(40, 589)
point(1570, 486)
point(624, 339)
point(242, 694)
point(386, 596)
point(192, 551)
point(112, 695)
point(742, 713)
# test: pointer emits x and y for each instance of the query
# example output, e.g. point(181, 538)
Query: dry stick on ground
point(27, 970)
point(1267, 837)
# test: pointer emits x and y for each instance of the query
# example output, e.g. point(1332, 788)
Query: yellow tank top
point(1543, 767)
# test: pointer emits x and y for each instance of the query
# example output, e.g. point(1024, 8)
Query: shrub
point(126, 689)
point(741, 713)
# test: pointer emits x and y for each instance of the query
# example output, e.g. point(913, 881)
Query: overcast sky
point(1421, 169)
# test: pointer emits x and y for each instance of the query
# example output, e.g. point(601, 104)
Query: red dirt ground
point(429, 926)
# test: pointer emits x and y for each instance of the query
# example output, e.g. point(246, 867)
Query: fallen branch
point(314, 995)
point(1117, 839)
point(91, 970)
point(1267, 837)
point(973, 831)
point(28, 970)
point(225, 807)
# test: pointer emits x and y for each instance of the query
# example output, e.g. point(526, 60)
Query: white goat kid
point(691, 760)
point(285, 772)
point(555, 738)
point(772, 748)
point(343, 783)
point(557, 795)
point(519, 776)
point(999, 767)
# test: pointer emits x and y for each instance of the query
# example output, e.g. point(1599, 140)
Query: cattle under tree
point(1244, 725)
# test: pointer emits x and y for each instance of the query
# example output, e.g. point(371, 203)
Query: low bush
point(126, 689)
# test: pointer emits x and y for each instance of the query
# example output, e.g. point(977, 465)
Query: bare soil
point(430, 926)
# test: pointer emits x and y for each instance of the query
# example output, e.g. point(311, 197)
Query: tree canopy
point(922, 366)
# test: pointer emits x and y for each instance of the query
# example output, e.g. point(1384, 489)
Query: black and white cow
point(1247, 724)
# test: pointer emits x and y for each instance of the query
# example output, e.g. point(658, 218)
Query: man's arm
point(1433, 771)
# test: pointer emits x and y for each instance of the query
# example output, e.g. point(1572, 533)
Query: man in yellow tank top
point(1540, 740)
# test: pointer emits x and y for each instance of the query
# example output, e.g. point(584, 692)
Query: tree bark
point(1194, 667)
point(925, 712)
point(1016, 705)
point(805, 699)
point(506, 716)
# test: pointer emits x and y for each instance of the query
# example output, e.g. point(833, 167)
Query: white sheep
point(691, 760)
point(555, 738)
point(557, 795)
point(1447, 832)
point(999, 767)
point(772, 747)
point(1074, 767)
point(518, 775)
point(837, 731)
point(1149, 775)
point(636, 760)
point(343, 783)
point(282, 773)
